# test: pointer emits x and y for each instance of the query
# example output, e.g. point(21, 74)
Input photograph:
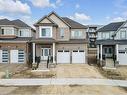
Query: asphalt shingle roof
point(73, 24)
point(5, 22)
point(17, 22)
point(111, 27)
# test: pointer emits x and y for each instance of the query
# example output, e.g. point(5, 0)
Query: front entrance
point(14, 56)
point(108, 51)
point(45, 52)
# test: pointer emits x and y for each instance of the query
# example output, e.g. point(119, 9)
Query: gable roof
point(74, 24)
point(111, 27)
point(52, 22)
point(59, 18)
point(69, 22)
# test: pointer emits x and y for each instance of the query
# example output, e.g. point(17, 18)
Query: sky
point(90, 12)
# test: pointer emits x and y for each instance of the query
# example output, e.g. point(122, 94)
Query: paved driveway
point(77, 71)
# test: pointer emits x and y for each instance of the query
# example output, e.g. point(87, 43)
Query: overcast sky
point(83, 11)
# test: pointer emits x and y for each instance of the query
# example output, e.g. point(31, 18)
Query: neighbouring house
point(61, 38)
point(112, 44)
point(15, 39)
point(92, 35)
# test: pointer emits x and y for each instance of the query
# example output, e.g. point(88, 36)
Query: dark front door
point(108, 52)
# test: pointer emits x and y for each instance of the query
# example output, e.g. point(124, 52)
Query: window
point(2, 31)
point(8, 32)
point(46, 32)
point(62, 32)
point(5, 56)
point(21, 56)
point(21, 33)
point(76, 34)
point(24, 33)
point(106, 35)
point(123, 34)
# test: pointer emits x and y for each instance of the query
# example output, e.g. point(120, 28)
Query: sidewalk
point(62, 81)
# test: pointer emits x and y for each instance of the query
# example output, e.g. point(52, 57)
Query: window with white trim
point(46, 32)
point(61, 32)
point(123, 34)
point(5, 56)
point(21, 56)
point(76, 34)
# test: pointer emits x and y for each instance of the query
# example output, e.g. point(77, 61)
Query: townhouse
point(15, 39)
point(112, 43)
point(61, 38)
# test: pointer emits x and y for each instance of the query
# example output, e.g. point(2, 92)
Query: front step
point(109, 63)
point(44, 65)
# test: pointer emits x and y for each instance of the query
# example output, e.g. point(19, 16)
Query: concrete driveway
point(76, 71)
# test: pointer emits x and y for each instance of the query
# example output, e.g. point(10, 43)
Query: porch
point(44, 49)
point(107, 55)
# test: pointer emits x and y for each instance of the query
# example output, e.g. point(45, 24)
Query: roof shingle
point(111, 27)
point(74, 24)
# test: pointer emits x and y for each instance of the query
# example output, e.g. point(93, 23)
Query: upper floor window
point(61, 32)
point(46, 32)
point(123, 34)
point(105, 35)
point(20, 33)
point(2, 31)
point(7, 31)
point(76, 34)
point(24, 33)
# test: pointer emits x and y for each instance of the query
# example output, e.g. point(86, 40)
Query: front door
point(108, 51)
point(45, 53)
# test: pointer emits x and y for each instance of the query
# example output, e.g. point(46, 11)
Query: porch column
point(54, 53)
point(101, 52)
point(97, 51)
point(33, 52)
point(117, 52)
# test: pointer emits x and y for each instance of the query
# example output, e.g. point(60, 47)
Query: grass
point(29, 74)
point(112, 74)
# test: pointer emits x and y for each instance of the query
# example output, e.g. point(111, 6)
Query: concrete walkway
point(62, 81)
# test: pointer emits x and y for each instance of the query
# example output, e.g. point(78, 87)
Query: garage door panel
point(14, 56)
point(122, 59)
point(78, 57)
point(63, 57)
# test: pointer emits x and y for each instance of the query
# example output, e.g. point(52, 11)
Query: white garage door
point(63, 56)
point(78, 56)
point(122, 58)
point(13, 56)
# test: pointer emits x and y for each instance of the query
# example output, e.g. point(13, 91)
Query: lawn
point(118, 73)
